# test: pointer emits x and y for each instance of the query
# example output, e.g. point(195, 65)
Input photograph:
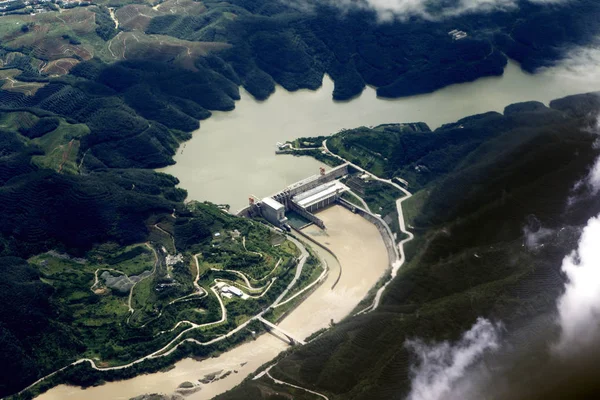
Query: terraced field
point(61, 148)
point(10, 84)
point(137, 17)
point(59, 67)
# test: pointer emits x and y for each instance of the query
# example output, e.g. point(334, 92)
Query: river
point(232, 155)
point(359, 247)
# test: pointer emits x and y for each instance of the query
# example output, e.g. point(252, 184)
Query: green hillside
point(490, 180)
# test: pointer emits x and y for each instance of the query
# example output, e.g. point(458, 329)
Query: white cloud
point(441, 366)
point(590, 184)
point(580, 61)
point(579, 306)
point(388, 10)
point(428, 9)
point(593, 178)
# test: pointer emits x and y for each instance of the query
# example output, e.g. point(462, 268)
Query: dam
point(298, 205)
point(302, 198)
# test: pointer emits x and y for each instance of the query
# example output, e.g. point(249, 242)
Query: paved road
point(173, 345)
point(199, 291)
point(303, 257)
point(156, 261)
point(248, 286)
point(250, 251)
point(267, 373)
point(319, 279)
point(247, 278)
point(168, 234)
point(364, 203)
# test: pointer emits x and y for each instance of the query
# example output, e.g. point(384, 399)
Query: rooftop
point(232, 289)
point(313, 196)
point(274, 204)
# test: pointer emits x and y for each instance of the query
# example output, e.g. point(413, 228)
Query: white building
point(232, 290)
point(319, 197)
point(273, 211)
point(457, 35)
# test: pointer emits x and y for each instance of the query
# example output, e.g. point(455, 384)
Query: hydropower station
point(302, 199)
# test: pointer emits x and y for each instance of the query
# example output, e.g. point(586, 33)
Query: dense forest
point(491, 182)
point(274, 43)
point(79, 134)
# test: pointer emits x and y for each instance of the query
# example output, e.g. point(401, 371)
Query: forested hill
point(75, 159)
point(273, 43)
point(264, 42)
point(494, 213)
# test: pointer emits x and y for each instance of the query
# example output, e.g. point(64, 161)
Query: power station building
point(319, 197)
point(301, 199)
point(273, 211)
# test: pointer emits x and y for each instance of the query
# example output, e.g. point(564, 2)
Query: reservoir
point(232, 155)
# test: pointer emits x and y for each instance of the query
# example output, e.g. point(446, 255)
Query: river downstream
point(360, 248)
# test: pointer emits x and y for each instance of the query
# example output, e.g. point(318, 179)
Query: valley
point(131, 133)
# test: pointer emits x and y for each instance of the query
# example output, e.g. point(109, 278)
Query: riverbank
point(345, 234)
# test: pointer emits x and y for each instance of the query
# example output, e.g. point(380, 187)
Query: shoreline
point(263, 340)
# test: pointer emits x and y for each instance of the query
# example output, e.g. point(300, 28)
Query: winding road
point(364, 203)
point(249, 251)
point(198, 289)
point(320, 278)
point(267, 371)
point(168, 234)
point(129, 299)
point(176, 342)
point(96, 280)
point(303, 257)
